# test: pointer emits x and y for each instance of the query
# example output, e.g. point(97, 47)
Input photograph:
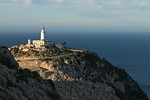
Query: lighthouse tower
point(43, 33)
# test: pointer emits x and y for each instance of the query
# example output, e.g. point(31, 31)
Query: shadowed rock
point(6, 58)
point(22, 84)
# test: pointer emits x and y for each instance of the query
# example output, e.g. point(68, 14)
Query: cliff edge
point(81, 75)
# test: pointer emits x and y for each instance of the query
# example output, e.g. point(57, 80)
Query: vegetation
point(94, 70)
point(48, 52)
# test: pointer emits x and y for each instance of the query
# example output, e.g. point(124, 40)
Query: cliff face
point(85, 76)
point(22, 84)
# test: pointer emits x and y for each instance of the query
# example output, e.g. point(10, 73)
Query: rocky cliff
point(22, 84)
point(84, 76)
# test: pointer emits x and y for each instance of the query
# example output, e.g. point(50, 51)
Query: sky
point(75, 15)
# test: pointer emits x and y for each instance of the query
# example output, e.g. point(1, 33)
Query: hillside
point(22, 84)
point(81, 75)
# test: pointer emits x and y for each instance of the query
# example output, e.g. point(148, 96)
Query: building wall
point(38, 42)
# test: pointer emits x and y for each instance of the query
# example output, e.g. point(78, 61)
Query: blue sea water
point(128, 51)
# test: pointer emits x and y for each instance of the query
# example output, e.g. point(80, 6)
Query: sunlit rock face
point(22, 84)
point(85, 76)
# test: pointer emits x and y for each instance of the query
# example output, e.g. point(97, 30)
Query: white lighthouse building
point(41, 42)
point(43, 34)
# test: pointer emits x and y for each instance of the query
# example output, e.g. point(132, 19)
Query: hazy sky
point(75, 15)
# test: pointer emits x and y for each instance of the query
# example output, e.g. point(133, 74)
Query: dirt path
point(39, 58)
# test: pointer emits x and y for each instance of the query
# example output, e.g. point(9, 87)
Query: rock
point(5, 95)
point(25, 85)
point(85, 76)
point(22, 84)
point(6, 58)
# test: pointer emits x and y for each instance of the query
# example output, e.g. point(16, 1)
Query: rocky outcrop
point(6, 58)
point(22, 84)
point(85, 76)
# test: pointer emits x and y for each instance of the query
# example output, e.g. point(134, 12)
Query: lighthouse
point(39, 43)
point(42, 44)
point(43, 33)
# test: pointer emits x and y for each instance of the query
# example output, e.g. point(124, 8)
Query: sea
point(129, 51)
